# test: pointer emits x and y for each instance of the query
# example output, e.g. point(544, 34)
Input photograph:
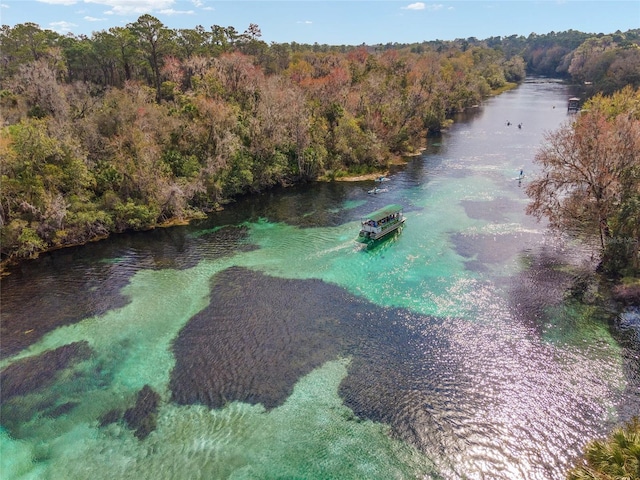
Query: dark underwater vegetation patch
point(61, 410)
point(142, 417)
point(486, 249)
point(112, 416)
point(253, 343)
point(417, 373)
point(36, 373)
point(40, 303)
point(495, 211)
point(25, 385)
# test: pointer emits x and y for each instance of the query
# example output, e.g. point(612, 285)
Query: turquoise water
point(267, 343)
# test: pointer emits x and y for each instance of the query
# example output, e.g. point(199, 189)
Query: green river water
point(265, 343)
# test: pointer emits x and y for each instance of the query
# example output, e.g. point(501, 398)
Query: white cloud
point(208, 8)
point(422, 6)
point(62, 26)
point(93, 19)
point(133, 7)
point(306, 22)
point(59, 2)
point(171, 11)
point(4, 5)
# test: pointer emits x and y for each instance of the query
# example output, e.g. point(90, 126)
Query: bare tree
point(585, 167)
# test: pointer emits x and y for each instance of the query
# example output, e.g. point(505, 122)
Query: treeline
point(589, 183)
point(141, 125)
point(603, 63)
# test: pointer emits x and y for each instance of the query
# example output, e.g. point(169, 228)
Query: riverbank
point(471, 292)
point(383, 172)
point(401, 159)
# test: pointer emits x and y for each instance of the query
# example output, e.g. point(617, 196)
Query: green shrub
point(130, 216)
point(29, 243)
point(615, 458)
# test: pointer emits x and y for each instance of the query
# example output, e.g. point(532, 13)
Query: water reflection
point(223, 345)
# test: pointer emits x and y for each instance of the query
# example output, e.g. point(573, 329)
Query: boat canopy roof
point(383, 212)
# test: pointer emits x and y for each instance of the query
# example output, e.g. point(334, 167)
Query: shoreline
point(398, 160)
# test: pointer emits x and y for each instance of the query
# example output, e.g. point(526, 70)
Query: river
point(264, 342)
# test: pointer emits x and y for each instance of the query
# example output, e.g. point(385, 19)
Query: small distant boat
point(573, 104)
point(381, 223)
point(382, 178)
point(377, 190)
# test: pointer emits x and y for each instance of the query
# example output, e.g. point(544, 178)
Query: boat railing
point(376, 226)
point(382, 224)
point(389, 223)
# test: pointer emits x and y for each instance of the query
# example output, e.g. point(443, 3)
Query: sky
point(337, 22)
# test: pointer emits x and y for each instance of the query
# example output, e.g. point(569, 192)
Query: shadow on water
point(95, 274)
point(555, 273)
point(310, 205)
point(556, 295)
point(378, 247)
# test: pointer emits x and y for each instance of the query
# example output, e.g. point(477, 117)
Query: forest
point(142, 125)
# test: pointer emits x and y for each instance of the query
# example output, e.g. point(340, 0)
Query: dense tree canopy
point(590, 179)
point(142, 124)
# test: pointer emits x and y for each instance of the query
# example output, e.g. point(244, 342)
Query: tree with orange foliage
point(590, 178)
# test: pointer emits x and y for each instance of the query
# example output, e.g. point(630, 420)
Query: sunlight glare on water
point(266, 343)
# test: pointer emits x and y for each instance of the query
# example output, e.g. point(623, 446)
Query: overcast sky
point(339, 22)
